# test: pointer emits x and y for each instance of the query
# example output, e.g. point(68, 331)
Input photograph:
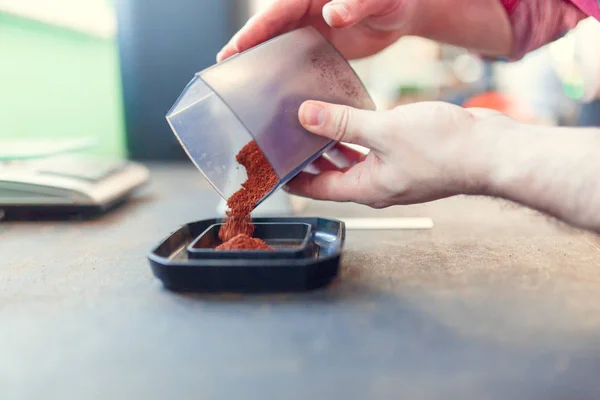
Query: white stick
point(387, 223)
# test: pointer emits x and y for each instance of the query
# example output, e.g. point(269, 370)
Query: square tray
point(172, 264)
point(289, 240)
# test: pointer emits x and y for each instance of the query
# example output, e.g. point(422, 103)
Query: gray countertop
point(494, 302)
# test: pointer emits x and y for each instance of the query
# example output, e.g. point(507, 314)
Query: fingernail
point(340, 9)
point(313, 114)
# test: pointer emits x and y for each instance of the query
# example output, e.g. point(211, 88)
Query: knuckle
point(360, 6)
point(380, 186)
point(379, 205)
point(387, 131)
point(341, 123)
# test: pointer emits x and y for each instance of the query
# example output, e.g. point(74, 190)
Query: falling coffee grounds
point(261, 179)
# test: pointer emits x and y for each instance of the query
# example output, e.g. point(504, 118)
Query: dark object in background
point(161, 45)
point(225, 273)
point(589, 114)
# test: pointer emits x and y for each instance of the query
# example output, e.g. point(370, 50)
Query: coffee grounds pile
point(244, 242)
point(261, 179)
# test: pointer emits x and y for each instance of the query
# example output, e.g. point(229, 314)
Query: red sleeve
point(589, 7)
point(537, 22)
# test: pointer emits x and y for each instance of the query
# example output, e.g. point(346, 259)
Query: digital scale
point(57, 183)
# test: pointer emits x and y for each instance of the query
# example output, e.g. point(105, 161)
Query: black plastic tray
point(171, 263)
point(289, 240)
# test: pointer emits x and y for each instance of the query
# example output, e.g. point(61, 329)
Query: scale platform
point(66, 185)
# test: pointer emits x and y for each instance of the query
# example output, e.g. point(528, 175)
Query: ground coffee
point(244, 242)
point(261, 179)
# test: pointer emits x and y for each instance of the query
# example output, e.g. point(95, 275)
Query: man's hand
point(360, 28)
point(371, 25)
point(416, 154)
point(427, 151)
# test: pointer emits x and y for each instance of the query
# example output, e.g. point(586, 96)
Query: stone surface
point(494, 302)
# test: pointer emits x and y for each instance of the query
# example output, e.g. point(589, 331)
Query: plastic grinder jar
point(256, 95)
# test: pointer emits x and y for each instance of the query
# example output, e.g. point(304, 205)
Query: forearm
point(481, 26)
point(553, 170)
point(535, 23)
point(495, 28)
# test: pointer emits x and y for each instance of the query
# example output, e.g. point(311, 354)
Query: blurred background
point(111, 69)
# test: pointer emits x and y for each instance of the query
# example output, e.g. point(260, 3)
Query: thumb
point(345, 13)
point(345, 124)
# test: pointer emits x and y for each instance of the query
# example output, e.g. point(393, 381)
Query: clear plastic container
point(256, 95)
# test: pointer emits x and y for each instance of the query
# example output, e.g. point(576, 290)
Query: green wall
point(57, 83)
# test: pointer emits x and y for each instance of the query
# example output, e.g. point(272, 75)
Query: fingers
point(344, 157)
point(345, 13)
point(339, 158)
point(279, 17)
point(285, 15)
point(482, 112)
point(319, 186)
point(324, 165)
point(352, 154)
point(353, 185)
point(345, 124)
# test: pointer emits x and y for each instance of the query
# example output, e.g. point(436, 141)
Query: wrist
point(495, 150)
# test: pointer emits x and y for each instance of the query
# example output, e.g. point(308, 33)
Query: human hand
point(418, 153)
point(372, 25)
